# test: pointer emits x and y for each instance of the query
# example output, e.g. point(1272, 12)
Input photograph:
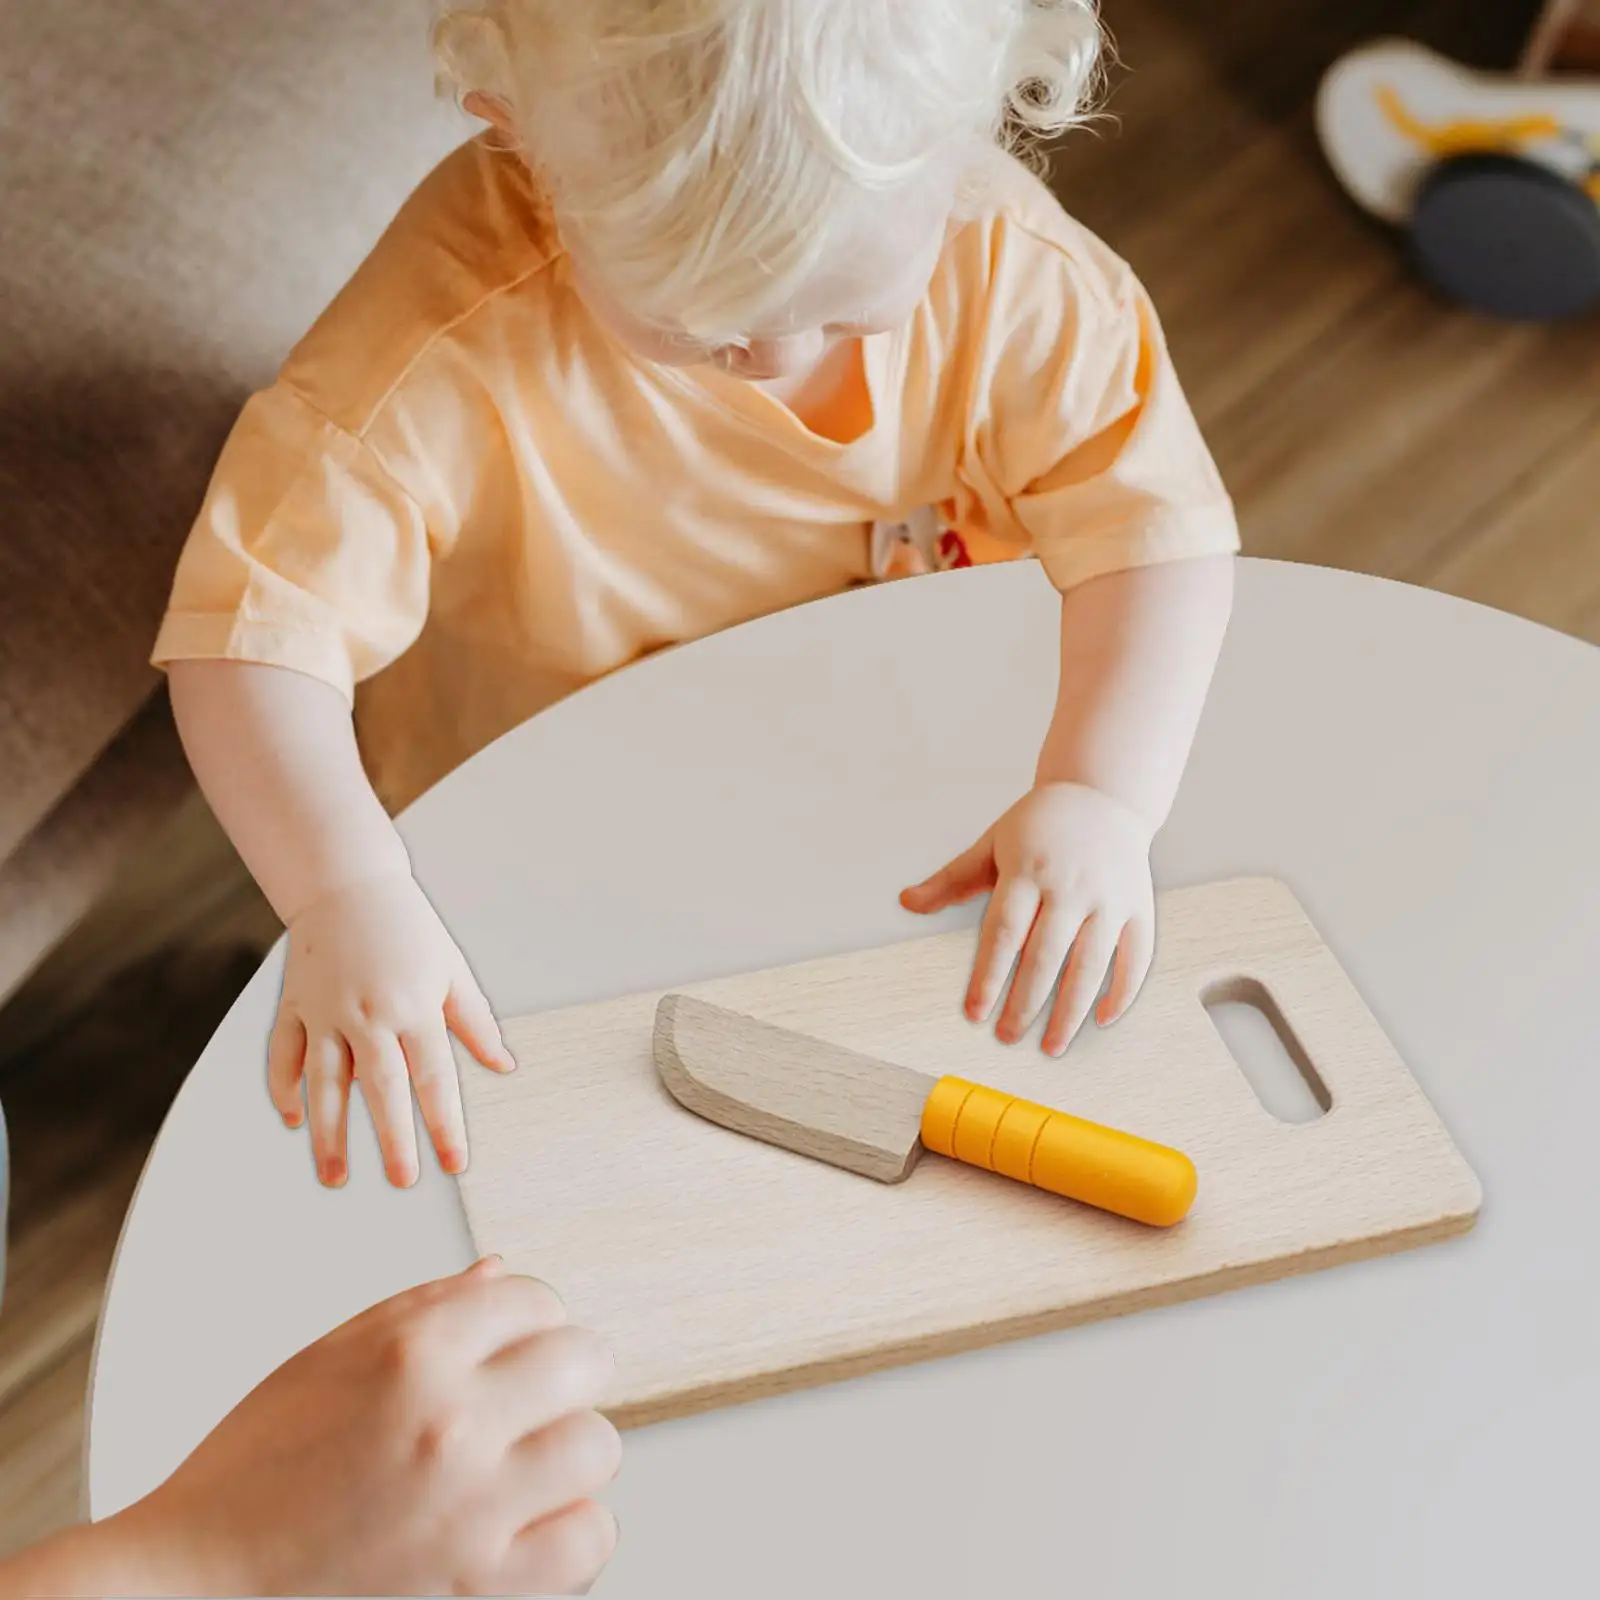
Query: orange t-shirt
point(465, 496)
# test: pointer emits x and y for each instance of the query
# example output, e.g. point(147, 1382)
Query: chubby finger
point(286, 1064)
point(1135, 951)
point(380, 1070)
point(471, 1019)
point(433, 1072)
point(563, 1555)
point(1080, 983)
point(1043, 956)
point(328, 1075)
point(1010, 915)
point(968, 875)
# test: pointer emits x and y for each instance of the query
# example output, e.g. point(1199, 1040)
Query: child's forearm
point(275, 753)
point(1138, 649)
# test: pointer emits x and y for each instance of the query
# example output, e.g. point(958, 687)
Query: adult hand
point(443, 1442)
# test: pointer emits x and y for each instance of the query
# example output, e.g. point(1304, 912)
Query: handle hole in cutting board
point(1264, 1048)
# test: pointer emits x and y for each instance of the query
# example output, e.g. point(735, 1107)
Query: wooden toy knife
point(875, 1118)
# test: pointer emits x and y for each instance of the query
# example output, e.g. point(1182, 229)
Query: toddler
point(732, 305)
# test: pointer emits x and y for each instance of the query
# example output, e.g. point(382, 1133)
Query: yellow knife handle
point(1083, 1161)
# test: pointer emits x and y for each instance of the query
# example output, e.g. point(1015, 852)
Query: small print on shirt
point(918, 545)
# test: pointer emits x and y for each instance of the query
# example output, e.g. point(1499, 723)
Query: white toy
point(1496, 179)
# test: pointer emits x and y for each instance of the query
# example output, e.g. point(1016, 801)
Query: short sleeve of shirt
point(306, 553)
point(1081, 443)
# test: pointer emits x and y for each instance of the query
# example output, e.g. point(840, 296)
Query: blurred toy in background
point(1495, 179)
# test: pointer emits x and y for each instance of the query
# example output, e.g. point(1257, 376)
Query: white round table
point(1425, 775)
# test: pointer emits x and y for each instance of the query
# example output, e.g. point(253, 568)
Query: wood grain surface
point(790, 1089)
point(721, 1269)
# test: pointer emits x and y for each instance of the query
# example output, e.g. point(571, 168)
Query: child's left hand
point(1069, 867)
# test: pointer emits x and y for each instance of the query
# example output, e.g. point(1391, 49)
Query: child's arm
point(275, 753)
point(1069, 863)
point(1138, 649)
point(373, 980)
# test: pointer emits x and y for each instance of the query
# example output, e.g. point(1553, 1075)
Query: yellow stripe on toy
point(1468, 134)
point(1065, 1155)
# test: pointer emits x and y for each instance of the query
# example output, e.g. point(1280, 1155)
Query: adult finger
point(286, 1063)
point(380, 1069)
point(433, 1072)
point(1135, 951)
point(487, 1315)
point(1043, 956)
point(564, 1554)
point(471, 1019)
point(573, 1458)
point(407, 1304)
point(969, 874)
point(328, 1074)
point(1080, 983)
point(1010, 915)
point(545, 1376)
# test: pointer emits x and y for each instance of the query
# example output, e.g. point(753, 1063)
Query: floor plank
point(1272, 284)
point(1536, 551)
point(40, 1466)
point(83, 1109)
point(1397, 428)
point(59, 1259)
point(185, 888)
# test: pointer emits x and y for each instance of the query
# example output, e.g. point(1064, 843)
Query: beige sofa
point(184, 185)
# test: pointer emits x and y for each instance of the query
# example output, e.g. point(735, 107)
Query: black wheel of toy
point(1507, 237)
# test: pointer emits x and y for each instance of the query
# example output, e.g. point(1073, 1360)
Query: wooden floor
point(1359, 423)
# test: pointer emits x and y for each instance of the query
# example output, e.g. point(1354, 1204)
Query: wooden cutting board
point(721, 1269)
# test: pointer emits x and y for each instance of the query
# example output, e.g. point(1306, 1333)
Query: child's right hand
point(373, 987)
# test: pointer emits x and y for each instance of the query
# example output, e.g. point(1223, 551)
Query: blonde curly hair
point(702, 152)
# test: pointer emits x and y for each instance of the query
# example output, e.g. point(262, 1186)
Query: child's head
point(750, 178)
